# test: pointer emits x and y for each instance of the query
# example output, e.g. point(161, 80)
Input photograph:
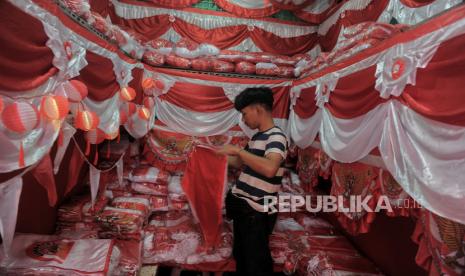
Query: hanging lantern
point(123, 117)
point(144, 113)
point(54, 107)
point(77, 92)
point(86, 120)
point(149, 102)
point(20, 117)
point(95, 136)
point(113, 135)
point(160, 85)
point(129, 108)
point(127, 93)
point(148, 83)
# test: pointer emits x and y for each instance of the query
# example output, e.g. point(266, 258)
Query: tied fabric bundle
point(204, 185)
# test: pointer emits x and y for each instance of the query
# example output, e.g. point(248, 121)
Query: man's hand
point(230, 150)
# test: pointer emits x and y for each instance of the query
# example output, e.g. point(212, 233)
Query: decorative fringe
point(21, 155)
point(96, 157)
point(87, 148)
point(60, 138)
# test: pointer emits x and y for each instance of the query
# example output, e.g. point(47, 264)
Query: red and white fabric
point(121, 221)
point(204, 183)
point(132, 203)
point(130, 261)
point(149, 174)
point(216, 28)
point(50, 255)
point(397, 125)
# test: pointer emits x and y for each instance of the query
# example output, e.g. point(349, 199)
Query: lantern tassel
point(96, 157)
point(60, 138)
point(21, 155)
point(87, 148)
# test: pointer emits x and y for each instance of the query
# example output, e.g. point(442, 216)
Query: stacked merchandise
point(307, 245)
point(53, 255)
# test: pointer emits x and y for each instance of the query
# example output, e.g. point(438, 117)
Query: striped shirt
point(252, 186)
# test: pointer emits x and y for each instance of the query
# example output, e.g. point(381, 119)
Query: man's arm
point(266, 166)
point(234, 161)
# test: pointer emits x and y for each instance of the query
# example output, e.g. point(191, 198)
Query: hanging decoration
point(127, 93)
point(54, 107)
point(143, 113)
point(149, 102)
point(20, 117)
point(86, 120)
point(76, 91)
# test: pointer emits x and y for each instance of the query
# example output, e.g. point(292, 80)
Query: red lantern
point(95, 136)
point(111, 136)
point(149, 102)
point(20, 117)
point(148, 83)
point(144, 113)
point(54, 107)
point(127, 93)
point(130, 108)
point(77, 92)
point(123, 117)
point(160, 85)
point(86, 120)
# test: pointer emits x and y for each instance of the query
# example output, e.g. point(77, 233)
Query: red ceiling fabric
point(103, 7)
point(245, 12)
point(305, 106)
point(274, 44)
point(99, 77)
point(224, 37)
point(204, 183)
point(150, 27)
point(290, 5)
point(349, 18)
point(416, 3)
point(196, 97)
point(329, 40)
point(435, 94)
point(355, 95)
point(43, 173)
point(25, 60)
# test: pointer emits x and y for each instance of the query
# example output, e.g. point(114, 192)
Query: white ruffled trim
point(209, 22)
point(348, 6)
point(319, 6)
point(247, 45)
point(69, 57)
point(324, 87)
point(122, 70)
point(413, 16)
point(412, 56)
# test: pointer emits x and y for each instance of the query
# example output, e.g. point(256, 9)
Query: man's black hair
point(255, 95)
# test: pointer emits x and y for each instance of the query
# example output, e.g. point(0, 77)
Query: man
point(261, 176)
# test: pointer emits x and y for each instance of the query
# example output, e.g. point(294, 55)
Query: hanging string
point(91, 163)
